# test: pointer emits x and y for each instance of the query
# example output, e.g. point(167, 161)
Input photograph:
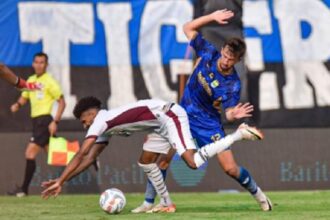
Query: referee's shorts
point(40, 131)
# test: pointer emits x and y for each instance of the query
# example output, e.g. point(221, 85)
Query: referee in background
point(44, 125)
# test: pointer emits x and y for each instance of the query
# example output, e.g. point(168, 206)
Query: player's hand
point(48, 183)
point(14, 107)
point(52, 127)
point(241, 111)
point(52, 190)
point(222, 16)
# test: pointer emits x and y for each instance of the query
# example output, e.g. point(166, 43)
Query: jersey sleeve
point(233, 96)
point(103, 139)
point(54, 89)
point(97, 129)
point(201, 46)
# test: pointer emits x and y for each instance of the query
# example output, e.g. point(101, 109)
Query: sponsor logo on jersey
point(203, 82)
point(215, 83)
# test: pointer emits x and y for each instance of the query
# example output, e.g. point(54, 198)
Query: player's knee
point(191, 164)
point(148, 167)
point(232, 171)
point(163, 165)
point(188, 157)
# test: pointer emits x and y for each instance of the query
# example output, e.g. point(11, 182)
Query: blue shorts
point(204, 133)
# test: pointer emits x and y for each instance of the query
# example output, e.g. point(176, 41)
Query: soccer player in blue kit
point(213, 83)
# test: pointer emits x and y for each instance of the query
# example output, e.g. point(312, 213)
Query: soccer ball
point(112, 201)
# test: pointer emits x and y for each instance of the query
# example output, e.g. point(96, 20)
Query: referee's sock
point(29, 171)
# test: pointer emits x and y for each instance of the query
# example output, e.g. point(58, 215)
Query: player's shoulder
point(195, 35)
point(199, 39)
point(102, 113)
point(102, 116)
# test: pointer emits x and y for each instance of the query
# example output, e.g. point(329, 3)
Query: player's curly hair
point(85, 104)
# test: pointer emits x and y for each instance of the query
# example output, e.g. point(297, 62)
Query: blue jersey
point(206, 91)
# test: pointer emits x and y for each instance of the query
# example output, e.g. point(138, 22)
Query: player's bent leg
point(209, 150)
point(153, 143)
point(188, 157)
point(180, 137)
point(150, 193)
point(165, 160)
point(243, 132)
point(240, 174)
point(163, 163)
point(243, 177)
point(155, 177)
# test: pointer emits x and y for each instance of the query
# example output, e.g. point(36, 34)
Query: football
point(112, 201)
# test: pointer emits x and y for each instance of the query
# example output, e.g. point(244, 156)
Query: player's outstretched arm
point(95, 151)
point(221, 16)
point(56, 188)
point(8, 75)
point(87, 161)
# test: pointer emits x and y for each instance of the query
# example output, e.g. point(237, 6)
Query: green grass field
point(287, 205)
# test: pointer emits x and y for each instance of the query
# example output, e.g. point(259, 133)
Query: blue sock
point(151, 193)
point(246, 180)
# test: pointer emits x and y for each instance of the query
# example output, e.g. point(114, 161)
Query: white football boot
point(163, 209)
point(264, 202)
point(143, 208)
point(250, 133)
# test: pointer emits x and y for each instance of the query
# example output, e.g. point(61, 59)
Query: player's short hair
point(85, 104)
point(41, 54)
point(237, 46)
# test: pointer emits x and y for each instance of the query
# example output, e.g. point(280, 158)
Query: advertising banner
point(122, 51)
